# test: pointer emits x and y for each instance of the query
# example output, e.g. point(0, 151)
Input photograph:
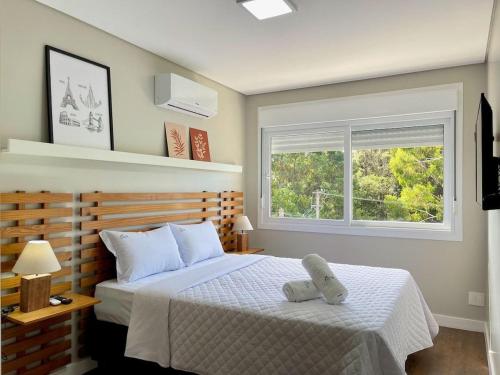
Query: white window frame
point(450, 229)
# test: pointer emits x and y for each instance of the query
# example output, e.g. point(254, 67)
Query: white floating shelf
point(49, 150)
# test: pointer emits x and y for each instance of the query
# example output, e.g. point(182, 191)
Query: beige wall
point(25, 27)
point(445, 271)
point(493, 82)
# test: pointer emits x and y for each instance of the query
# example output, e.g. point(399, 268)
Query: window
point(392, 176)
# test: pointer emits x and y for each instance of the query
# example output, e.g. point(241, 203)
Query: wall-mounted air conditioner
point(183, 95)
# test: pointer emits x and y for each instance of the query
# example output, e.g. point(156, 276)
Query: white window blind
point(308, 142)
point(415, 136)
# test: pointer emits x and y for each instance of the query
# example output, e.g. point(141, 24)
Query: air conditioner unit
point(183, 95)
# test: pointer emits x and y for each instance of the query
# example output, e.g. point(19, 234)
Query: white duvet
point(230, 317)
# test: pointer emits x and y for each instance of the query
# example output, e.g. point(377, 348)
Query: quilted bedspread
point(240, 323)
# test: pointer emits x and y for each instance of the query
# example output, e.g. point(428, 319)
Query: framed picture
point(199, 144)
point(79, 100)
point(177, 140)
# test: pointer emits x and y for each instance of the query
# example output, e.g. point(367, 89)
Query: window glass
point(307, 175)
point(398, 174)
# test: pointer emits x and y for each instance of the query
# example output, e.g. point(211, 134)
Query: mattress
point(232, 317)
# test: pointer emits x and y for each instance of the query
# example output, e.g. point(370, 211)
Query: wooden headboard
point(143, 211)
point(23, 217)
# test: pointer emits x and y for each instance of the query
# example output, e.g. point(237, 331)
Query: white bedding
point(230, 316)
point(116, 298)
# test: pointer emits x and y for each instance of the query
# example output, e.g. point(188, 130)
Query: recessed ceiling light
point(263, 9)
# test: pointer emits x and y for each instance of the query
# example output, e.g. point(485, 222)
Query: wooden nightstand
point(247, 251)
point(79, 302)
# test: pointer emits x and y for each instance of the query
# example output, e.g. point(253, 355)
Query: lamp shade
point(37, 257)
point(242, 223)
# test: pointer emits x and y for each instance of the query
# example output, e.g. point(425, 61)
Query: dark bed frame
point(107, 348)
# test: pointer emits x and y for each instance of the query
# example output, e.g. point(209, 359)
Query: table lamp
point(36, 262)
point(241, 225)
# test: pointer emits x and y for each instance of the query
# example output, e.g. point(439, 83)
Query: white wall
point(445, 271)
point(493, 94)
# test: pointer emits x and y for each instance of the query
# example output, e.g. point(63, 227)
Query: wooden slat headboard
point(23, 217)
point(144, 211)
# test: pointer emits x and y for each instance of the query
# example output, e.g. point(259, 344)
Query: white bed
point(228, 315)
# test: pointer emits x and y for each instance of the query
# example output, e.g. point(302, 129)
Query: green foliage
point(403, 184)
point(296, 176)
point(372, 182)
point(419, 173)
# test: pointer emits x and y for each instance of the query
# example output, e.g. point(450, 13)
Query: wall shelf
point(49, 150)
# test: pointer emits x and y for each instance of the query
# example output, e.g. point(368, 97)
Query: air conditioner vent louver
point(176, 108)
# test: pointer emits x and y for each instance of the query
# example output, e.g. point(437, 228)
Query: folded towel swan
point(324, 279)
point(300, 290)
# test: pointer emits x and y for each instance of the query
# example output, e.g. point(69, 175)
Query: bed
point(228, 315)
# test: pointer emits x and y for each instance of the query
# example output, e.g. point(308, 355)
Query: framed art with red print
point(199, 144)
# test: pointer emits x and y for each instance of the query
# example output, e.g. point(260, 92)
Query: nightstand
point(247, 251)
point(79, 302)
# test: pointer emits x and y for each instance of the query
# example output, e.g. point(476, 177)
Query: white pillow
point(197, 242)
point(140, 254)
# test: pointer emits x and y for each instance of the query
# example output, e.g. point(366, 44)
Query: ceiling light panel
point(263, 9)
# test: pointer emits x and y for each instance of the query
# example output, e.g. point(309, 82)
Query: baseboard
point(459, 323)
point(77, 368)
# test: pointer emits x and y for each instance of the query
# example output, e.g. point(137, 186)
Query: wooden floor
point(454, 352)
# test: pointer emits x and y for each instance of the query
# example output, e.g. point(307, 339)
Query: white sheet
point(231, 318)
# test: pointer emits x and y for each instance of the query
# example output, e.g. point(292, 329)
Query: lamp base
point(241, 242)
point(35, 292)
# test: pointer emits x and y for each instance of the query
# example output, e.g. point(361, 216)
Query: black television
point(487, 165)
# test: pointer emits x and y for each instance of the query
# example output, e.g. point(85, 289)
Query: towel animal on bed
point(323, 283)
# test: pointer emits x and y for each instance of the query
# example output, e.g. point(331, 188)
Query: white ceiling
point(326, 41)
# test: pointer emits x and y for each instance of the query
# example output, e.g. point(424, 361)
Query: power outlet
point(476, 299)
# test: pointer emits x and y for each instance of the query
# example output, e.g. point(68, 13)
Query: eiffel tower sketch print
point(68, 98)
point(93, 122)
point(79, 100)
